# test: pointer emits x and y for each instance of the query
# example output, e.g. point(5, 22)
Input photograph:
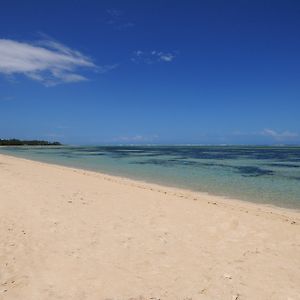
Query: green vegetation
point(16, 142)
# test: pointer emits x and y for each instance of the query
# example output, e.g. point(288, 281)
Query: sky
point(150, 72)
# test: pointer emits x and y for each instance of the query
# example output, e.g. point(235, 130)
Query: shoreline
point(280, 199)
point(68, 233)
point(177, 191)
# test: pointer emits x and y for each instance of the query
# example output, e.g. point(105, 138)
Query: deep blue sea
point(269, 175)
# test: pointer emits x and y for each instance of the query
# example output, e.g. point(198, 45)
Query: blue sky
point(105, 72)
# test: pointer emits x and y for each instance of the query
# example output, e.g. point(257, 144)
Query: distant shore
point(74, 234)
point(17, 142)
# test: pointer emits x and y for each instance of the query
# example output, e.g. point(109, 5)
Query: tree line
point(16, 142)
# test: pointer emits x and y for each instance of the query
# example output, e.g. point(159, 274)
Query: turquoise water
point(269, 175)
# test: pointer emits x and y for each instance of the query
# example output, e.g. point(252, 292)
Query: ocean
point(269, 175)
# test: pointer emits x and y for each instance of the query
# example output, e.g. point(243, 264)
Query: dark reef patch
point(282, 165)
point(251, 171)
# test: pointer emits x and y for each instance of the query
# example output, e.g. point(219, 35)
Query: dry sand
point(73, 234)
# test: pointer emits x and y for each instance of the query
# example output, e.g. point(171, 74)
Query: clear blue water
point(269, 175)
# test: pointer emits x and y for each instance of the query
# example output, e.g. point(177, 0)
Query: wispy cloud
point(136, 138)
point(46, 61)
point(154, 56)
point(117, 19)
point(280, 136)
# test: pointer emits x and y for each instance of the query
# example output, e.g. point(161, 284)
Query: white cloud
point(106, 68)
point(116, 18)
point(46, 61)
point(151, 57)
point(280, 136)
point(168, 57)
point(136, 138)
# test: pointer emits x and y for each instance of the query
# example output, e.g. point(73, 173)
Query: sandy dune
point(74, 234)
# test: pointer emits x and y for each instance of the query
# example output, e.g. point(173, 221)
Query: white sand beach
point(73, 234)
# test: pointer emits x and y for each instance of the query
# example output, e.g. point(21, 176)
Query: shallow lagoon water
point(269, 175)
